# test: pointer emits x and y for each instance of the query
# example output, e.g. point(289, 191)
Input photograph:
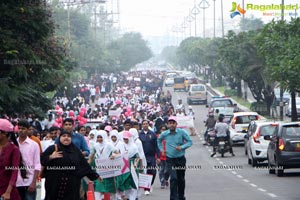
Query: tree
point(169, 54)
point(130, 50)
point(248, 24)
point(278, 43)
point(32, 60)
point(191, 52)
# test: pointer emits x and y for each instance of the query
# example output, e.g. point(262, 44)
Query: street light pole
point(214, 18)
point(222, 19)
point(203, 5)
point(281, 89)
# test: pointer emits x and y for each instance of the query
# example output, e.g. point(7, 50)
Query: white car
point(169, 82)
point(238, 125)
point(255, 145)
point(197, 94)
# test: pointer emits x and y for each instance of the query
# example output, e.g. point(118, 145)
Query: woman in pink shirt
point(9, 161)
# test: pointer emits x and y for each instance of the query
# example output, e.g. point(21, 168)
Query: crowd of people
point(136, 117)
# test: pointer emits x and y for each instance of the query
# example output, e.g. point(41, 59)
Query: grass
point(240, 101)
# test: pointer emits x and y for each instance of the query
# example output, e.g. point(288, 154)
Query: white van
point(197, 94)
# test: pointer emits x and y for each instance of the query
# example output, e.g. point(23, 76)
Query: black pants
point(216, 143)
point(176, 168)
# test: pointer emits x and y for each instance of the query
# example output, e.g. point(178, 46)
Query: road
point(210, 181)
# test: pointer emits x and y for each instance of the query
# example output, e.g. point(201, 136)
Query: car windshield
point(223, 103)
point(267, 130)
point(198, 88)
point(291, 132)
point(245, 119)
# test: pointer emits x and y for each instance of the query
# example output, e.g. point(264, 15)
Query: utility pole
point(69, 26)
point(214, 18)
point(281, 89)
point(195, 12)
point(222, 19)
point(203, 5)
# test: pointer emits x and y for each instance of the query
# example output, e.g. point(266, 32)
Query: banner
point(107, 168)
point(185, 121)
point(145, 180)
point(115, 113)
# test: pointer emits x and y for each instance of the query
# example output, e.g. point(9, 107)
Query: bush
point(230, 92)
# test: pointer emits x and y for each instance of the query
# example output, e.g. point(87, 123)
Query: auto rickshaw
point(179, 83)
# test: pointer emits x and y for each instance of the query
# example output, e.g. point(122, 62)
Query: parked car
point(197, 94)
point(284, 148)
point(255, 145)
point(286, 96)
point(238, 125)
point(289, 109)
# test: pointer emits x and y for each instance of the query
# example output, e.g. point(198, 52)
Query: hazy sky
point(159, 17)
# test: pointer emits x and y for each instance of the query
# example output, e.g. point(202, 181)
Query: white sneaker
point(147, 193)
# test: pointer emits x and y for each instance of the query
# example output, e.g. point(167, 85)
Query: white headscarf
point(93, 141)
point(118, 144)
point(105, 148)
point(138, 143)
point(131, 147)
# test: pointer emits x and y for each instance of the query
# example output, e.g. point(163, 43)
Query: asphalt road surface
point(228, 178)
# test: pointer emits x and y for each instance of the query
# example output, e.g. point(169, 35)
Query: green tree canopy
point(32, 60)
point(130, 50)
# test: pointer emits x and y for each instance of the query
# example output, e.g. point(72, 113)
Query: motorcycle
point(223, 146)
point(210, 137)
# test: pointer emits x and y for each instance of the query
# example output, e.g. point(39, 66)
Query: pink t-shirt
point(30, 152)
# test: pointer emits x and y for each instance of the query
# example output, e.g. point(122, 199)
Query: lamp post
point(214, 18)
point(195, 11)
point(281, 89)
point(222, 19)
point(203, 5)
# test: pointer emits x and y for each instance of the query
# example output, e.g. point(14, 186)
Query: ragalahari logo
point(236, 10)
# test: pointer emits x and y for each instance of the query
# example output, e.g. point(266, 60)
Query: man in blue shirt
point(177, 141)
point(77, 139)
point(149, 142)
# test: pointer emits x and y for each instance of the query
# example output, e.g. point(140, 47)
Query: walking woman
point(126, 182)
point(64, 167)
point(9, 161)
point(103, 149)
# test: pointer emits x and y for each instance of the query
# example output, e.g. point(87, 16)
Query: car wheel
point(254, 162)
point(270, 167)
point(279, 169)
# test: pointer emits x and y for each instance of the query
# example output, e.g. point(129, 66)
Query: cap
point(108, 128)
point(172, 118)
point(190, 107)
point(126, 134)
point(6, 126)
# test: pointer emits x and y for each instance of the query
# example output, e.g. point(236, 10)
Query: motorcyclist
point(222, 131)
point(210, 124)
